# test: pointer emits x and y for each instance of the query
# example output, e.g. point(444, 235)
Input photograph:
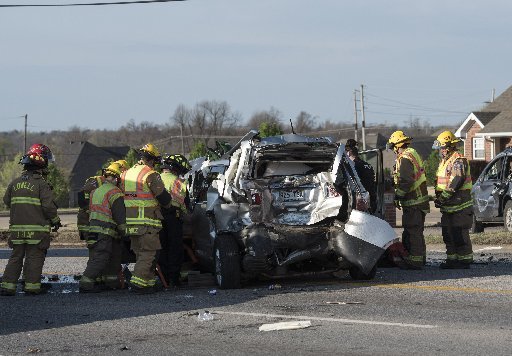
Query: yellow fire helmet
point(114, 169)
point(444, 140)
point(398, 139)
point(123, 163)
point(150, 150)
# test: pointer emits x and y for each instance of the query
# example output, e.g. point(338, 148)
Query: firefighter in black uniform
point(364, 171)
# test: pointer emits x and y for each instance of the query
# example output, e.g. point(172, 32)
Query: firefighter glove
point(398, 205)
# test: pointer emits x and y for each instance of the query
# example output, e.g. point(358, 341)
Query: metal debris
point(344, 303)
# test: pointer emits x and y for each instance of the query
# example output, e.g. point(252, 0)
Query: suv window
point(495, 170)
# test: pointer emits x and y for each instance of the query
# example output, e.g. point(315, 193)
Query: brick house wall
point(468, 143)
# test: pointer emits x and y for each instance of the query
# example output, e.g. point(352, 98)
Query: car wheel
point(226, 257)
point(477, 226)
point(507, 216)
point(358, 275)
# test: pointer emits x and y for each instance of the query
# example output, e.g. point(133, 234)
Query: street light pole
point(25, 136)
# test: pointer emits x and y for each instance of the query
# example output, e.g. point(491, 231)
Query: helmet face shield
point(437, 145)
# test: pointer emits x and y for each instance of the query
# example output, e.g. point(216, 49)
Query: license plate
point(291, 195)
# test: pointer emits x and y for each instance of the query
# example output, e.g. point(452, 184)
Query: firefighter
point(82, 218)
point(410, 195)
point(91, 183)
point(107, 224)
point(33, 214)
point(453, 198)
point(174, 167)
point(364, 171)
point(145, 194)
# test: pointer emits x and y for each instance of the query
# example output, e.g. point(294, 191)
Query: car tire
point(477, 226)
point(226, 258)
point(507, 216)
point(358, 275)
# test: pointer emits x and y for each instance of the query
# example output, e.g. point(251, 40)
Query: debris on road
point(274, 286)
point(33, 350)
point(286, 325)
point(344, 303)
point(205, 316)
point(212, 292)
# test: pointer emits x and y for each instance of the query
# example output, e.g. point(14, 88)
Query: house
point(489, 131)
point(87, 159)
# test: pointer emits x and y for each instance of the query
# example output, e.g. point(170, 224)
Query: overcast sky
point(100, 66)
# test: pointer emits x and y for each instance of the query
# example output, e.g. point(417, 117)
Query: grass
point(483, 238)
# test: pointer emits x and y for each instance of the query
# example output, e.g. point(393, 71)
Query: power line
point(414, 106)
point(91, 4)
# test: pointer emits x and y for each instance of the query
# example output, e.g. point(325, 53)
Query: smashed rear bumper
point(364, 240)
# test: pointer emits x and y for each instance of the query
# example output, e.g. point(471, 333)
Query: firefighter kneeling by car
point(453, 198)
point(107, 224)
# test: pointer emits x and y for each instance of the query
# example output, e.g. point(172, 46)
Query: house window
point(478, 148)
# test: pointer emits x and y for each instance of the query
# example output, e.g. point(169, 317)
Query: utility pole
point(355, 117)
point(363, 121)
point(25, 136)
point(182, 143)
point(493, 94)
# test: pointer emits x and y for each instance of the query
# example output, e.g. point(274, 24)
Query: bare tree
point(304, 123)
point(272, 116)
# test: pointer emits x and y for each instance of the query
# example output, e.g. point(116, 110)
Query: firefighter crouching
point(107, 224)
point(33, 213)
point(453, 198)
point(171, 235)
point(144, 194)
point(410, 195)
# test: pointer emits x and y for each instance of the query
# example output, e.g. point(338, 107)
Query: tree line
point(189, 130)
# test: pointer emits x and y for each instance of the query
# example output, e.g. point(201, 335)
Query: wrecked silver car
point(492, 193)
point(286, 205)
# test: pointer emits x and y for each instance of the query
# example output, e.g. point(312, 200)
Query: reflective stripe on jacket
point(141, 204)
point(32, 208)
point(100, 207)
point(458, 198)
point(414, 193)
point(177, 188)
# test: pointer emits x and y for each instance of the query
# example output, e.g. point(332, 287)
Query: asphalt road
point(400, 312)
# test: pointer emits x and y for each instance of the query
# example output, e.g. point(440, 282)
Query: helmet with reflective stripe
point(123, 163)
point(150, 151)
point(446, 139)
point(34, 159)
point(398, 139)
point(114, 169)
point(176, 161)
point(42, 150)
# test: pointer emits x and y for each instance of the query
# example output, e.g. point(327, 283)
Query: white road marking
point(348, 321)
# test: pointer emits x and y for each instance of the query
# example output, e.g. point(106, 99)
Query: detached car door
point(486, 191)
point(374, 158)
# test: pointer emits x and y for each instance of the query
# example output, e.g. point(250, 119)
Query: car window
point(508, 167)
point(494, 170)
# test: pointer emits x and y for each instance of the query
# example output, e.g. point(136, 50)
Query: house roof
point(90, 160)
point(485, 116)
point(495, 118)
point(501, 124)
point(502, 103)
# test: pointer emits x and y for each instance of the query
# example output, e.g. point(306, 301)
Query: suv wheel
point(507, 216)
point(226, 259)
point(358, 275)
point(477, 226)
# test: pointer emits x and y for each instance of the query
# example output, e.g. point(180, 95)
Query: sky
point(98, 67)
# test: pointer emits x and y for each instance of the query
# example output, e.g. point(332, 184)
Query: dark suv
point(492, 193)
point(284, 206)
